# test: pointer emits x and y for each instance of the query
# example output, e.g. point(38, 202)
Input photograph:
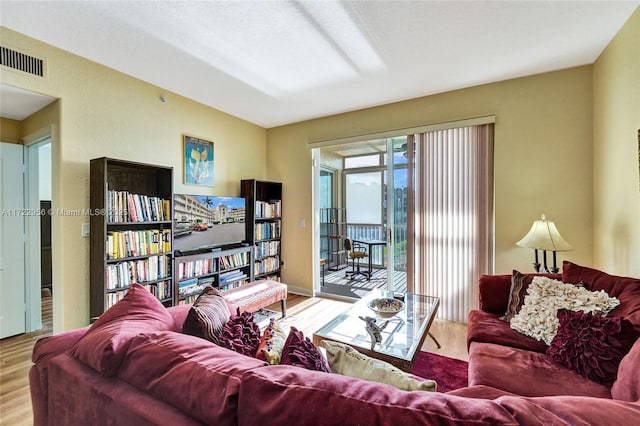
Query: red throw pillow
point(300, 352)
point(596, 280)
point(241, 334)
point(106, 342)
point(592, 345)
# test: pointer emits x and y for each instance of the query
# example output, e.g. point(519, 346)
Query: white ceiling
point(18, 104)
point(278, 62)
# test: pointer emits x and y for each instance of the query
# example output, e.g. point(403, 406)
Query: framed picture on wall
point(198, 161)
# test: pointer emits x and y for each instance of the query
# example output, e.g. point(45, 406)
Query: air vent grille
point(21, 62)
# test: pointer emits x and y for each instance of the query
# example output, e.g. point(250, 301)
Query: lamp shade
point(544, 235)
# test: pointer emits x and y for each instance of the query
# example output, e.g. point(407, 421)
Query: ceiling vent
point(21, 62)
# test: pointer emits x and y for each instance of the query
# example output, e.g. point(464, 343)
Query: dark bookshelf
point(136, 232)
point(264, 226)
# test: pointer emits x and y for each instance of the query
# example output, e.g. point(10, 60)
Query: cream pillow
point(345, 360)
point(538, 316)
point(272, 343)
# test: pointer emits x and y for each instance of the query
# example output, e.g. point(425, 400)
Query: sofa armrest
point(50, 346)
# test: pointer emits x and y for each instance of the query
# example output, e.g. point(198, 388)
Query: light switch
point(86, 230)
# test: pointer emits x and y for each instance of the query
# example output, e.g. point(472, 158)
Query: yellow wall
point(543, 161)
point(9, 130)
point(102, 112)
point(616, 123)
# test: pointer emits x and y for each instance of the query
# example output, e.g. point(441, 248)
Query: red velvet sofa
point(147, 372)
point(506, 360)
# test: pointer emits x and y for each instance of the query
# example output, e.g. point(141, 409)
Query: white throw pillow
point(538, 316)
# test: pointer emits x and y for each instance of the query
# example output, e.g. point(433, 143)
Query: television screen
point(206, 221)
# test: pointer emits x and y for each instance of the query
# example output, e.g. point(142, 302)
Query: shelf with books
point(131, 233)
point(264, 225)
point(120, 274)
point(222, 269)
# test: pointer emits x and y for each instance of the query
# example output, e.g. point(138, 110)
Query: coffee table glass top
point(402, 336)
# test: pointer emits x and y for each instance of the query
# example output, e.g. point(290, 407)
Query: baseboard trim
point(299, 290)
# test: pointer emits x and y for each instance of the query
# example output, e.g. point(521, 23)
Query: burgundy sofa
point(147, 372)
point(504, 359)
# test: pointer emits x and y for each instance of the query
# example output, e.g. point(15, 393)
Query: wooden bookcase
point(222, 269)
point(264, 225)
point(131, 231)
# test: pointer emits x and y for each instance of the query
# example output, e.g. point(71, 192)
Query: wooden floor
point(307, 314)
point(15, 362)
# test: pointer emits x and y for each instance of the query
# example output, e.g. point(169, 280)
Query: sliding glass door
point(399, 203)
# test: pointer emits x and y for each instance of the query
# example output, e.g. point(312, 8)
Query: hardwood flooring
point(308, 314)
point(15, 362)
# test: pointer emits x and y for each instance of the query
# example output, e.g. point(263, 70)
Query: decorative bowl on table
point(386, 307)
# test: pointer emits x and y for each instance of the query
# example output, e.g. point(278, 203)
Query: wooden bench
point(256, 295)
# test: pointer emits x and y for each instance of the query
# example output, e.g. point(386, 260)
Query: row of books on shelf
point(266, 248)
point(161, 290)
point(266, 265)
point(232, 276)
point(234, 260)
point(188, 299)
point(196, 268)
point(267, 230)
point(124, 274)
point(194, 286)
point(121, 244)
point(268, 209)
point(234, 284)
point(123, 206)
point(191, 297)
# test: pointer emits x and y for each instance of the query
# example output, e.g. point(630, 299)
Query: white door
point(12, 214)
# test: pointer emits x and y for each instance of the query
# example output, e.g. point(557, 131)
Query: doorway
point(365, 196)
point(38, 263)
point(25, 255)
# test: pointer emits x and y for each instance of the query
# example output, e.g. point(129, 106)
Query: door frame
point(33, 300)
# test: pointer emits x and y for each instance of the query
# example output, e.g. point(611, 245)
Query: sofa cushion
point(80, 396)
point(486, 327)
point(240, 334)
point(519, 285)
point(283, 395)
point(592, 345)
point(299, 351)
point(192, 374)
point(105, 343)
point(570, 410)
point(626, 289)
point(345, 360)
point(208, 314)
point(538, 316)
point(627, 385)
point(527, 373)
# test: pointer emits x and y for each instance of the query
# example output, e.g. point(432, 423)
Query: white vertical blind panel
point(454, 215)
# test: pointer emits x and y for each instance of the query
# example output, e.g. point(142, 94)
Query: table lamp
point(544, 236)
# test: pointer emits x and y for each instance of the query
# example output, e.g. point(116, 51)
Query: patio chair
point(356, 253)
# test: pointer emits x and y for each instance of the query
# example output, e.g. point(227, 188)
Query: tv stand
point(179, 253)
point(232, 246)
point(220, 267)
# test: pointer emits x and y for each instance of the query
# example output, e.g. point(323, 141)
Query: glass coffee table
point(402, 337)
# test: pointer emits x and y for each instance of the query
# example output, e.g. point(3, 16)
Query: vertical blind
point(454, 216)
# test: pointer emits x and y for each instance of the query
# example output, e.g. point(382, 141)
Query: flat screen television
point(202, 222)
